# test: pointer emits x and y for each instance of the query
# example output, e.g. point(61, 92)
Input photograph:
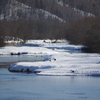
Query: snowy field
point(61, 59)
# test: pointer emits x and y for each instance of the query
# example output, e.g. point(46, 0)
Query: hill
point(53, 10)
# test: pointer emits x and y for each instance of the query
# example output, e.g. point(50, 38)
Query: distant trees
point(65, 13)
point(62, 11)
point(86, 32)
point(1, 37)
point(91, 6)
point(34, 29)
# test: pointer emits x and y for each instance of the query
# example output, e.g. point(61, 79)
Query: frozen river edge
point(55, 59)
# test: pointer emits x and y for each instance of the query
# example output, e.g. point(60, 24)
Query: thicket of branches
point(87, 32)
point(33, 29)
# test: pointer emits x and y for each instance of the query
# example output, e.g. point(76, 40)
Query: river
point(23, 86)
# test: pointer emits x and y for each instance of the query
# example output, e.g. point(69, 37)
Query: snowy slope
point(15, 10)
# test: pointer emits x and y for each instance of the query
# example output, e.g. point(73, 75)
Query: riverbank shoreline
point(7, 64)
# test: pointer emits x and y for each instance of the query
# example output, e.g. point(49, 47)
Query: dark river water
point(23, 86)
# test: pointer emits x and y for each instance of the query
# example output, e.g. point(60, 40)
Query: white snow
point(58, 60)
point(48, 14)
point(30, 50)
point(65, 63)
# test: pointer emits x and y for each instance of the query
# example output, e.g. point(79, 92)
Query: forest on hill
point(76, 20)
point(91, 6)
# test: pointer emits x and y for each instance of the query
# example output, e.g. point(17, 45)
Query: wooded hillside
point(91, 6)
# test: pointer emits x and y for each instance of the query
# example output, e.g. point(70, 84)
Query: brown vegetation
point(87, 32)
point(34, 29)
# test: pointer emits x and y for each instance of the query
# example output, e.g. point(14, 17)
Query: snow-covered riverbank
point(58, 60)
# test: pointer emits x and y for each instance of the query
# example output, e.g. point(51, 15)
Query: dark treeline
point(86, 32)
point(33, 29)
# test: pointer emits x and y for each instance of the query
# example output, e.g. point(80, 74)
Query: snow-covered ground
point(58, 61)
